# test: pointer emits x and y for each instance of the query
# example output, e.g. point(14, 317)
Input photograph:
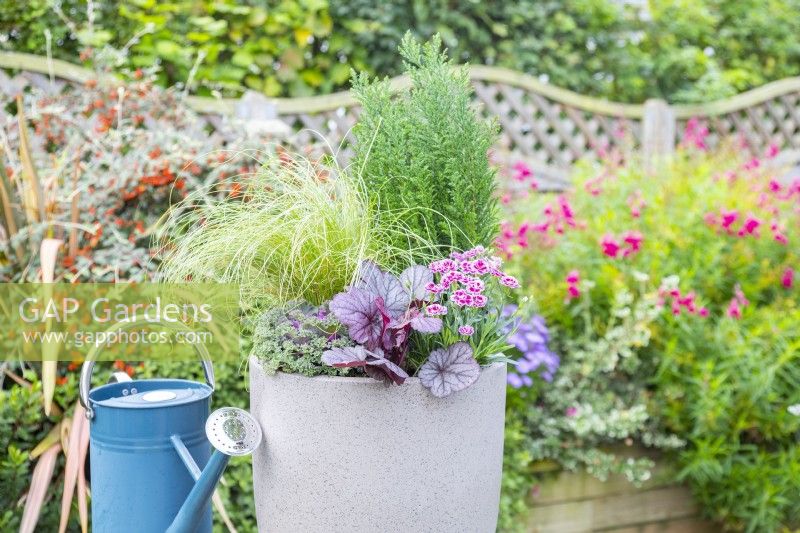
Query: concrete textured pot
point(353, 455)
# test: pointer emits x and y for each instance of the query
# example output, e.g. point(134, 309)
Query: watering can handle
point(85, 382)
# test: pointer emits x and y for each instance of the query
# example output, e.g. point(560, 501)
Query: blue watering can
point(149, 440)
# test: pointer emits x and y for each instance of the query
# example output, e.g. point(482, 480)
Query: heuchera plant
point(382, 310)
point(379, 311)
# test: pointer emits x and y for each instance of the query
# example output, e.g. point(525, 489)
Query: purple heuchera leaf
point(418, 322)
point(368, 271)
point(374, 364)
point(358, 310)
point(384, 370)
point(349, 356)
point(384, 285)
point(449, 370)
point(414, 278)
point(426, 324)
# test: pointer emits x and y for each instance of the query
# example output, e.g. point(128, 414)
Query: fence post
point(658, 132)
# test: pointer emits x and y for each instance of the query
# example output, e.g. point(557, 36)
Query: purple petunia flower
point(433, 288)
point(474, 285)
point(448, 264)
point(474, 252)
point(461, 298)
point(450, 277)
point(518, 381)
point(481, 266)
point(443, 265)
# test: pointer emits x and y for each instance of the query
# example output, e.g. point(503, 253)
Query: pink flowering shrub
point(712, 244)
point(715, 221)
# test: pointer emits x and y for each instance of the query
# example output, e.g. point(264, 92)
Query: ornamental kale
point(373, 363)
point(290, 340)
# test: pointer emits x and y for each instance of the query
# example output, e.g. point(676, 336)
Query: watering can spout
point(231, 431)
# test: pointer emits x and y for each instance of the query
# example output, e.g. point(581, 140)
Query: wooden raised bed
point(579, 502)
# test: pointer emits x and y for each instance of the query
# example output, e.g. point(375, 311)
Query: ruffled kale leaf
point(426, 324)
point(380, 311)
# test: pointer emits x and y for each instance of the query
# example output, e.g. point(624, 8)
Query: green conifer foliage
point(423, 153)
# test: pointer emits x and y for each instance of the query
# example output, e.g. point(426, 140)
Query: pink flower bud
point(573, 292)
point(728, 218)
point(573, 277)
point(787, 280)
point(610, 246)
point(510, 282)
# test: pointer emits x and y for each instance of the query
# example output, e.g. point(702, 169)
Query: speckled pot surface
point(353, 455)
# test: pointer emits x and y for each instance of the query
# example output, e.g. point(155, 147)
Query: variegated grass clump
point(295, 230)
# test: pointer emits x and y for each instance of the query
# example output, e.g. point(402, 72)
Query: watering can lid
point(150, 393)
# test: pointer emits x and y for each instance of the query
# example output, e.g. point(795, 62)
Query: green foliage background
point(681, 50)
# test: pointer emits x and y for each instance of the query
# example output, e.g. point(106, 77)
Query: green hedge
point(681, 50)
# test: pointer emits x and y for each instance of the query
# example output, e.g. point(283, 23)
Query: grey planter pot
point(353, 455)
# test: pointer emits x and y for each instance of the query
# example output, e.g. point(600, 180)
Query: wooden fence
point(547, 127)
point(579, 503)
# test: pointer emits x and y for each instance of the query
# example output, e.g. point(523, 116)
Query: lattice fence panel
point(773, 122)
point(547, 134)
point(547, 127)
point(328, 131)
